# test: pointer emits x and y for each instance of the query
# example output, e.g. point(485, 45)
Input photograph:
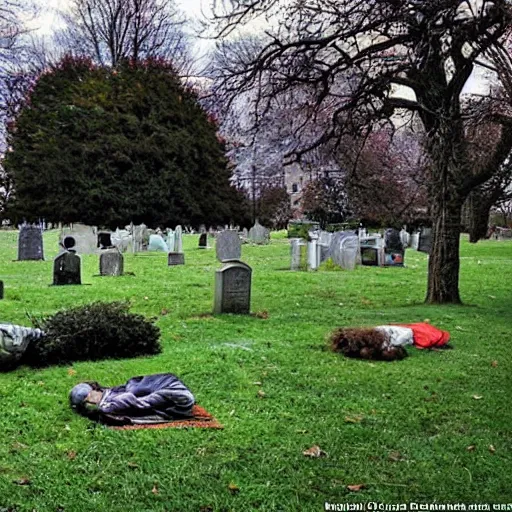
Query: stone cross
point(30, 242)
point(228, 246)
point(233, 288)
point(111, 263)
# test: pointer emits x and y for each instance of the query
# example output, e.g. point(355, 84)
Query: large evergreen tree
point(107, 146)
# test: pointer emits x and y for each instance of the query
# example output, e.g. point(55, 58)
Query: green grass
point(419, 410)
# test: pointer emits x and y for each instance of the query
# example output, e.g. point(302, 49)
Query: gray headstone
point(425, 240)
point(203, 241)
point(233, 288)
point(297, 253)
point(414, 240)
point(228, 246)
point(111, 263)
point(30, 242)
point(178, 240)
point(140, 238)
point(66, 269)
point(258, 234)
point(344, 249)
point(175, 258)
point(86, 238)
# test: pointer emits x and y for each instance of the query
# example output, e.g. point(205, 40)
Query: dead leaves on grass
point(356, 487)
point(233, 488)
point(314, 452)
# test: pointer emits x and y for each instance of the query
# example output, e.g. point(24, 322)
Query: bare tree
point(356, 59)
point(111, 30)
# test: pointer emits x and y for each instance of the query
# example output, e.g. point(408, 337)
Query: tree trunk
point(443, 264)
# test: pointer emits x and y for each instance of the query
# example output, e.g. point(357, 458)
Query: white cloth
point(14, 340)
point(396, 335)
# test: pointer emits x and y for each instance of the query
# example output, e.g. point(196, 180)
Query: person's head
point(84, 398)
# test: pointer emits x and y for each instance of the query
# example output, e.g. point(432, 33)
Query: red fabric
point(428, 336)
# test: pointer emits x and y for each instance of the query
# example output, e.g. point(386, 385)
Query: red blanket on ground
point(428, 336)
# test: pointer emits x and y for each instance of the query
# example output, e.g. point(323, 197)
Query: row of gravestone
point(30, 241)
point(348, 249)
point(232, 282)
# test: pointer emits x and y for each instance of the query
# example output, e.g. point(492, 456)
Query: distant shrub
point(92, 332)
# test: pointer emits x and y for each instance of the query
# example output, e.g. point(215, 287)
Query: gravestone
point(175, 258)
point(170, 240)
point(233, 288)
point(140, 238)
point(202, 229)
point(405, 237)
point(393, 248)
point(228, 246)
point(66, 266)
point(86, 238)
point(203, 241)
point(30, 242)
point(298, 250)
point(1, 290)
point(414, 240)
point(344, 249)
point(178, 240)
point(104, 240)
point(425, 240)
point(259, 234)
point(157, 243)
point(111, 263)
point(121, 239)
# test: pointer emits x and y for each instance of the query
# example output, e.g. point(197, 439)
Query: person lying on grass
point(387, 342)
point(148, 399)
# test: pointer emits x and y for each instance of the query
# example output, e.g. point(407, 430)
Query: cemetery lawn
point(434, 427)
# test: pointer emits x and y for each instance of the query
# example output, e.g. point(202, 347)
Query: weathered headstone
point(228, 246)
point(1, 290)
point(66, 266)
point(157, 243)
point(393, 248)
point(414, 240)
point(405, 238)
point(111, 263)
point(203, 241)
point(344, 249)
point(425, 240)
point(140, 238)
point(178, 240)
point(30, 242)
point(259, 234)
point(104, 240)
point(233, 288)
point(298, 252)
point(175, 258)
point(121, 239)
point(86, 238)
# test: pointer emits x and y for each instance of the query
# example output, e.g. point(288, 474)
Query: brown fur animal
point(365, 343)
